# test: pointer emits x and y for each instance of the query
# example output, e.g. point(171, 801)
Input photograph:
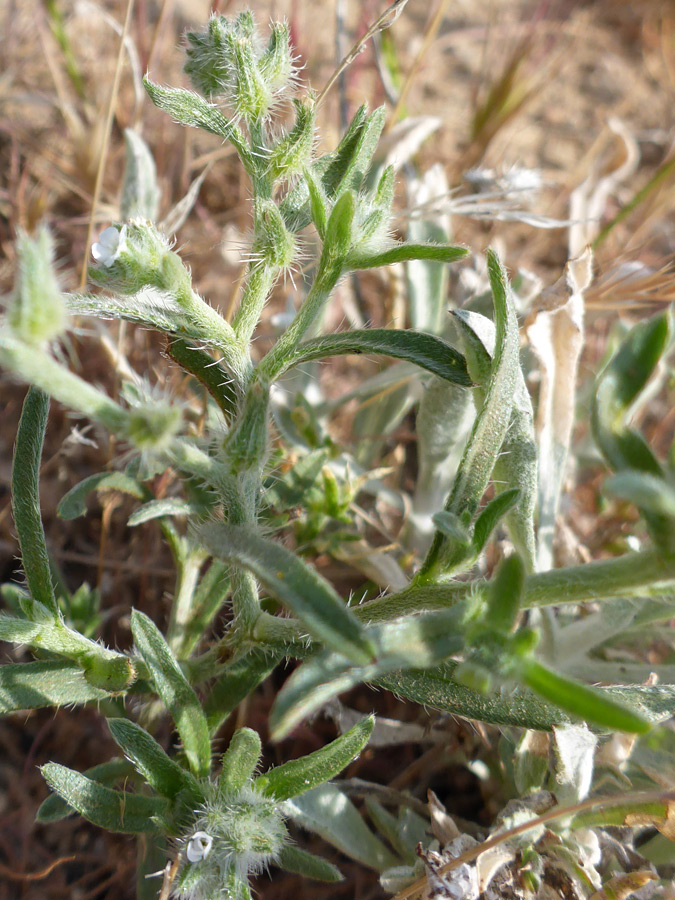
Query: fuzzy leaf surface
point(175, 692)
point(309, 596)
point(35, 685)
point(299, 775)
point(423, 350)
point(112, 810)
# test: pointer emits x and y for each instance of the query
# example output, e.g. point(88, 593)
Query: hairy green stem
point(261, 278)
point(324, 284)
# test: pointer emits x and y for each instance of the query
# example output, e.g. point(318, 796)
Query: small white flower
point(199, 846)
point(110, 244)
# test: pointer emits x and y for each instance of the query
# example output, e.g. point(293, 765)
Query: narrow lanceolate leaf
point(175, 691)
point(235, 684)
point(188, 108)
point(423, 350)
point(329, 813)
point(441, 253)
point(516, 466)
point(55, 808)
point(618, 392)
point(161, 773)
point(505, 594)
point(35, 685)
point(26, 506)
point(155, 509)
point(140, 192)
point(582, 701)
point(418, 642)
point(240, 760)
point(300, 775)
point(436, 688)
point(74, 503)
point(490, 427)
point(309, 596)
point(112, 810)
point(300, 862)
point(644, 490)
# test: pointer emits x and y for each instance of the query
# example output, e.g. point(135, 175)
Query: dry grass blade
point(386, 20)
point(630, 289)
point(106, 142)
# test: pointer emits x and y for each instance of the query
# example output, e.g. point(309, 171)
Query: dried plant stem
point(386, 20)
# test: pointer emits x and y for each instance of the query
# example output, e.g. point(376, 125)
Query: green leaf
point(240, 761)
point(516, 466)
point(338, 239)
point(417, 641)
point(441, 253)
point(582, 701)
point(489, 430)
point(329, 813)
point(300, 862)
point(208, 372)
point(112, 810)
point(505, 594)
point(646, 491)
point(55, 808)
point(423, 350)
point(162, 774)
point(74, 503)
point(35, 685)
point(26, 506)
point(175, 692)
point(155, 509)
point(238, 680)
point(436, 688)
point(300, 775)
point(618, 391)
point(309, 596)
point(188, 108)
point(489, 517)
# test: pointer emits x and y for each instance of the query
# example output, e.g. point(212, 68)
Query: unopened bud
point(37, 313)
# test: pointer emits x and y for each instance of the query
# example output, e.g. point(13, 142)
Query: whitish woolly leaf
point(140, 193)
point(557, 337)
point(155, 509)
point(175, 691)
point(35, 685)
point(55, 808)
point(112, 810)
point(423, 350)
point(419, 641)
point(327, 812)
point(574, 747)
point(161, 773)
point(74, 503)
point(299, 775)
point(26, 506)
point(309, 596)
point(428, 280)
point(300, 862)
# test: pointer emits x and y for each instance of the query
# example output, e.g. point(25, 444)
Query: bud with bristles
point(276, 62)
point(293, 152)
point(37, 313)
point(274, 243)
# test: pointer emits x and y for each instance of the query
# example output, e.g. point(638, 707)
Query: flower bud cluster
point(236, 834)
point(135, 256)
point(227, 59)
